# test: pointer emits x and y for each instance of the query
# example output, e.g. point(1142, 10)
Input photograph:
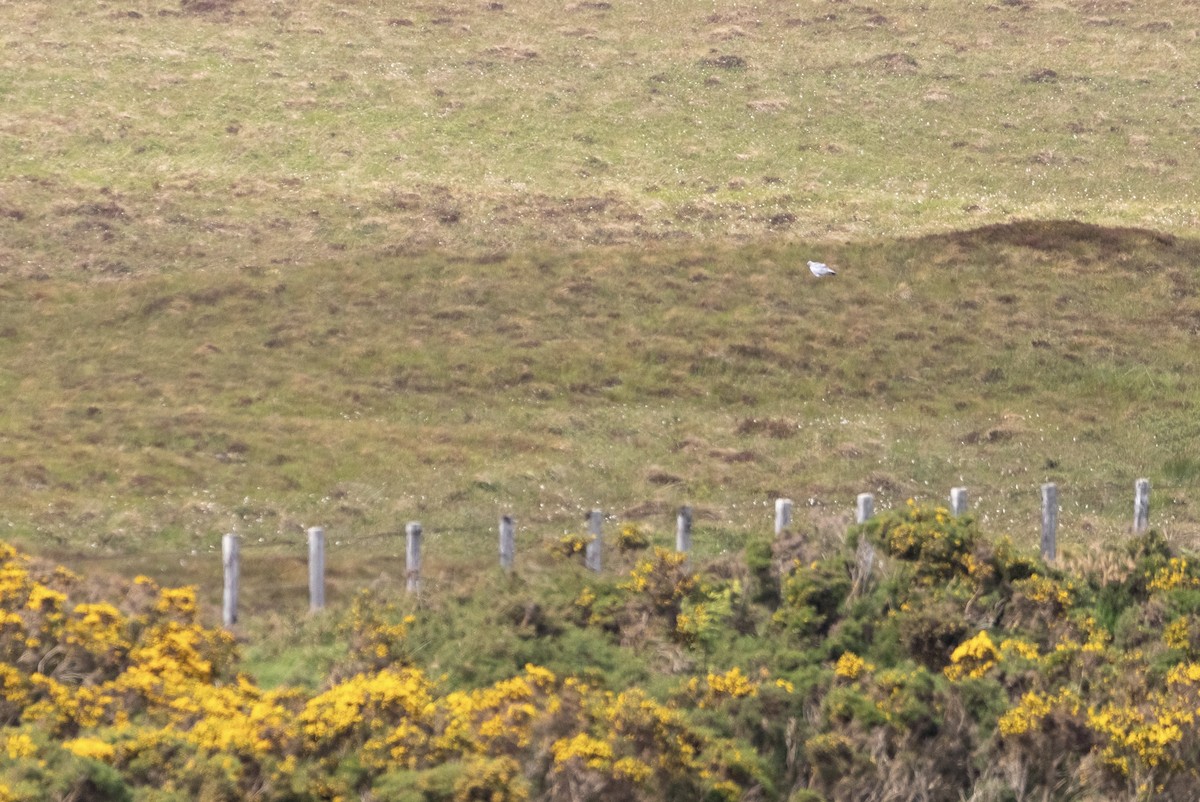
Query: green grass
point(283, 265)
point(153, 414)
point(141, 139)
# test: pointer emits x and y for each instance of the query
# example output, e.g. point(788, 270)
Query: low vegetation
point(267, 265)
point(145, 418)
point(142, 136)
point(919, 658)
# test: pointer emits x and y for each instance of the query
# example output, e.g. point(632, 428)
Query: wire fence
point(276, 571)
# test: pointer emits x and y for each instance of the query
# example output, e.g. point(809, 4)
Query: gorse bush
point(956, 668)
point(144, 702)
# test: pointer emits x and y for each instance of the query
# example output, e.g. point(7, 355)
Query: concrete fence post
point(864, 510)
point(232, 570)
point(958, 501)
point(1049, 522)
point(316, 568)
point(683, 530)
point(595, 547)
point(1141, 506)
point(412, 557)
point(508, 542)
point(783, 515)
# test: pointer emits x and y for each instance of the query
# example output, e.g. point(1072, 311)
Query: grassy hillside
point(151, 415)
point(268, 265)
point(162, 135)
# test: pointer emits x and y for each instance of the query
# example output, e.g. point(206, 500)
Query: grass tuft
point(267, 266)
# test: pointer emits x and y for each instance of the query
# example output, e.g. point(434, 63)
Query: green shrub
point(937, 544)
point(764, 586)
point(930, 629)
point(846, 704)
point(704, 622)
point(984, 699)
point(436, 784)
point(805, 795)
point(43, 771)
point(812, 596)
point(1109, 603)
point(940, 689)
point(631, 537)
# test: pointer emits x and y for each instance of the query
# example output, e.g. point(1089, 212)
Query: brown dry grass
point(264, 265)
point(150, 415)
point(158, 135)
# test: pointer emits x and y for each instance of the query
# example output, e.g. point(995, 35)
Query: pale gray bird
point(820, 269)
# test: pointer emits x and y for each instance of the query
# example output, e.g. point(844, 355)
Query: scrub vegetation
point(955, 667)
point(270, 265)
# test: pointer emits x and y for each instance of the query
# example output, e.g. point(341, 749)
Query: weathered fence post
point(783, 515)
point(683, 530)
point(595, 546)
point(229, 562)
point(508, 542)
point(1141, 506)
point(864, 509)
point(1049, 521)
point(958, 501)
point(316, 568)
point(412, 557)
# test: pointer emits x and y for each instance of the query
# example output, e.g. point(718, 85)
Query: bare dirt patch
point(896, 63)
point(768, 105)
point(207, 6)
point(725, 61)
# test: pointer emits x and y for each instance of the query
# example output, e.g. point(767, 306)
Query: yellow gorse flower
point(1177, 634)
point(1177, 573)
point(851, 666)
point(732, 684)
point(19, 746)
point(1028, 714)
point(973, 658)
point(93, 748)
point(592, 752)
